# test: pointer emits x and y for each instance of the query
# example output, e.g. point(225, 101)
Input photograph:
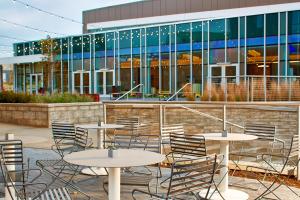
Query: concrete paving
point(38, 142)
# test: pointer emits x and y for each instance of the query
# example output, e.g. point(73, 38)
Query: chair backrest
point(188, 145)
point(146, 142)
point(81, 138)
point(191, 175)
point(130, 123)
point(122, 141)
point(12, 154)
point(166, 130)
point(262, 131)
point(63, 131)
point(294, 149)
point(142, 142)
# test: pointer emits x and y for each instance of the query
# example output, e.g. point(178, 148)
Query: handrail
point(130, 91)
point(211, 117)
point(176, 93)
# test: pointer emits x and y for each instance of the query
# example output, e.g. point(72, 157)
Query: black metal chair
point(63, 134)
point(187, 178)
point(166, 130)
point(12, 155)
point(60, 169)
point(275, 164)
point(267, 140)
point(13, 150)
point(185, 146)
point(130, 125)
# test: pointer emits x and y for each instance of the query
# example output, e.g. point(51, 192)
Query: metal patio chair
point(266, 142)
point(275, 164)
point(63, 135)
point(187, 178)
point(12, 154)
point(130, 125)
point(60, 169)
point(166, 130)
point(185, 146)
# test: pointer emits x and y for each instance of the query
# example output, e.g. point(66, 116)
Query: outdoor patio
point(37, 143)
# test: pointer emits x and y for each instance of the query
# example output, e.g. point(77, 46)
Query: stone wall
point(41, 115)
point(285, 118)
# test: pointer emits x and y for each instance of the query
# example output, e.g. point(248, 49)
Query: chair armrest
point(280, 141)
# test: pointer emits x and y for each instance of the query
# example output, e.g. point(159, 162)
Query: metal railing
point(178, 91)
point(252, 88)
point(131, 91)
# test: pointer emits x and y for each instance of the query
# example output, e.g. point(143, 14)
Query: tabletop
point(103, 126)
point(125, 158)
point(230, 137)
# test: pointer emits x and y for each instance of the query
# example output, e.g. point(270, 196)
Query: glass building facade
point(165, 57)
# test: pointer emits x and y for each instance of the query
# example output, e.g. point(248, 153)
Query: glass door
point(81, 82)
point(222, 74)
point(36, 83)
point(104, 82)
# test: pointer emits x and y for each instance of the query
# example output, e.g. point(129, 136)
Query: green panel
point(255, 26)
point(294, 22)
point(197, 31)
point(272, 24)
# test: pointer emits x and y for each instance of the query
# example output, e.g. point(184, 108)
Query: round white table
point(125, 158)
point(224, 150)
point(95, 171)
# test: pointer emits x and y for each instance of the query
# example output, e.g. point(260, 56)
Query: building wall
point(150, 8)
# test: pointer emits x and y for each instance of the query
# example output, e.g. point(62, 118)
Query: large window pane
point(197, 56)
point(255, 45)
point(152, 60)
point(294, 43)
point(272, 44)
point(125, 60)
point(183, 54)
point(77, 53)
point(217, 41)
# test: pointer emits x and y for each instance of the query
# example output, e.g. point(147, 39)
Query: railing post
point(252, 89)
point(160, 126)
point(298, 125)
point(224, 117)
point(265, 88)
point(7, 192)
point(248, 88)
point(290, 88)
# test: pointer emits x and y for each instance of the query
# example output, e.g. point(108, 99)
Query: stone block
point(29, 115)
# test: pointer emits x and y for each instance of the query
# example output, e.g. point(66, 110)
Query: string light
point(47, 12)
point(29, 27)
point(11, 38)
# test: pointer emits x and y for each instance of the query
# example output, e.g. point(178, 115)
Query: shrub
point(11, 97)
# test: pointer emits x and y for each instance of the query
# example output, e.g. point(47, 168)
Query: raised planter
point(41, 115)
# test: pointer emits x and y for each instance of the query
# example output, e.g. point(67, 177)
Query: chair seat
point(54, 194)
point(51, 163)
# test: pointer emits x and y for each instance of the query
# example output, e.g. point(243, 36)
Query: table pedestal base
point(231, 194)
point(114, 190)
point(94, 171)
